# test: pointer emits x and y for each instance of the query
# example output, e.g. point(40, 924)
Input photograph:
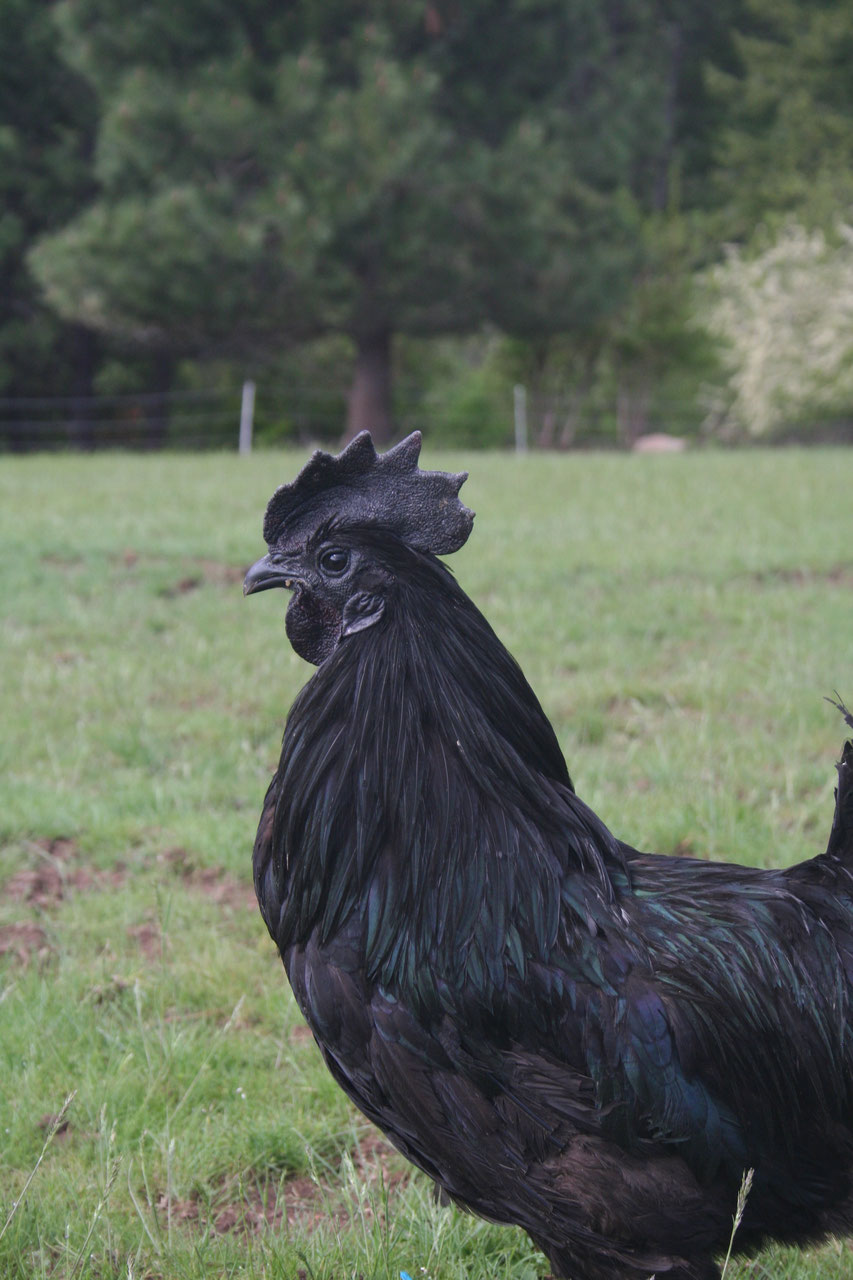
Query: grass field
point(681, 619)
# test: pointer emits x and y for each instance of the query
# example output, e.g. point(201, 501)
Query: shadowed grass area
point(681, 619)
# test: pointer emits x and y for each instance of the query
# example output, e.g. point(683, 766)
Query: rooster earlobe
point(361, 611)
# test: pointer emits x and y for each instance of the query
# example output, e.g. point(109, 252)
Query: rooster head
point(326, 528)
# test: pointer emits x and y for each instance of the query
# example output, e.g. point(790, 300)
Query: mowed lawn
point(681, 619)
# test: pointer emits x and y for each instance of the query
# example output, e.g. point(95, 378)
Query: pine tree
point(267, 177)
point(787, 145)
point(47, 120)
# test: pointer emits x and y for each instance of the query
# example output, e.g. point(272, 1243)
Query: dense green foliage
point(47, 120)
point(680, 619)
point(787, 143)
point(366, 173)
point(314, 195)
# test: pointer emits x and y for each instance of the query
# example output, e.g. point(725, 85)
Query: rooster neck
point(417, 768)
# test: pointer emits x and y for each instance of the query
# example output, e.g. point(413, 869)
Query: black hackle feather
point(566, 1034)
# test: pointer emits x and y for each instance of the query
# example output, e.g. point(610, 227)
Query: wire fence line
point(132, 398)
point(204, 418)
point(224, 418)
point(143, 420)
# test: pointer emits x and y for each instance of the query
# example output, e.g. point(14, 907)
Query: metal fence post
point(247, 413)
point(519, 398)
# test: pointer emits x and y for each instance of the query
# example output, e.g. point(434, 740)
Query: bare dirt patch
point(685, 848)
point(192, 573)
point(42, 886)
point(48, 1120)
point(221, 887)
point(63, 560)
point(214, 883)
point(252, 1209)
point(56, 871)
point(837, 575)
point(207, 573)
point(148, 938)
point(300, 1034)
point(301, 1200)
point(182, 587)
point(61, 848)
point(374, 1159)
point(257, 1210)
point(24, 941)
point(112, 989)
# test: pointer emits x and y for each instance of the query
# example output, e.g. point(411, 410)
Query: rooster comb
point(360, 486)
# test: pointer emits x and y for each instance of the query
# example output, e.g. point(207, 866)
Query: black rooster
point(590, 1042)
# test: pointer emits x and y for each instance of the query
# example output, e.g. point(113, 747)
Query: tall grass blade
point(52, 1132)
point(742, 1196)
point(99, 1209)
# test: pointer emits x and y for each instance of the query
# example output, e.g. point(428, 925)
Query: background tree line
point(390, 212)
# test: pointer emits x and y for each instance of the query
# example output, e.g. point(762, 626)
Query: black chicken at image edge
point(564, 1033)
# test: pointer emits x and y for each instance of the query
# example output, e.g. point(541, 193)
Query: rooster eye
point(334, 562)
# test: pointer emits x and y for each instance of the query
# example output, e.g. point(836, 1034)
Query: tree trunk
point(369, 401)
point(81, 425)
point(673, 36)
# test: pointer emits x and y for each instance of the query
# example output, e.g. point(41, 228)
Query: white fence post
point(519, 398)
point(247, 413)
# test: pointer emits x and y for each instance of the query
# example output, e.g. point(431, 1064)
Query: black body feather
point(566, 1034)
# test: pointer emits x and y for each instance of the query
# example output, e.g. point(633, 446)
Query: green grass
point(681, 619)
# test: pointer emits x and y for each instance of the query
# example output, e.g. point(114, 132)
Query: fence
point(140, 421)
point(231, 418)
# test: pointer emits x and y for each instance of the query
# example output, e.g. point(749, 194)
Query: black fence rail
point(224, 418)
point(153, 420)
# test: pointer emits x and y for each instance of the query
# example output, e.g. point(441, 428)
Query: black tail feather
point(839, 706)
point(841, 836)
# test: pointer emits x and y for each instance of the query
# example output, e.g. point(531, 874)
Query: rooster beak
point(266, 573)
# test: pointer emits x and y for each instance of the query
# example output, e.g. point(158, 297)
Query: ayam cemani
point(567, 1034)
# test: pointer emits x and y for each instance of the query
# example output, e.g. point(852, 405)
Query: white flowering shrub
point(786, 321)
